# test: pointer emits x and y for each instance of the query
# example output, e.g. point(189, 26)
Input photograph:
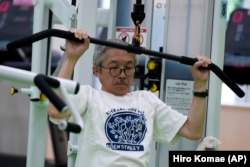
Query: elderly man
point(119, 126)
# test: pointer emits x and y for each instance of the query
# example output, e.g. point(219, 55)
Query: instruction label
point(179, 94)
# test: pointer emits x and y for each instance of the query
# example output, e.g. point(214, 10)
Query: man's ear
point(95, 69)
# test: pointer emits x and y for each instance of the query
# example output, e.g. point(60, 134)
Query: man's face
point(116, 58)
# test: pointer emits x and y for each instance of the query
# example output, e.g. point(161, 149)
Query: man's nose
point(122, 73)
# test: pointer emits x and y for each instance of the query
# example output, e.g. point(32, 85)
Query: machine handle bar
point(137, 50)
point(44, 83)
point(69, 127)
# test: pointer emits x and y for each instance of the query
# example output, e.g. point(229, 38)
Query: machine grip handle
point(218, 72)
point(41, 35)
point(69, 127)
point(68, 35)
point(45, 83)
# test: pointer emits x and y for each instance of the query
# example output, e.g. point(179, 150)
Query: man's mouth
point(121, 83)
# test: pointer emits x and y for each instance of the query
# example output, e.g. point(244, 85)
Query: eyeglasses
point(116, 71)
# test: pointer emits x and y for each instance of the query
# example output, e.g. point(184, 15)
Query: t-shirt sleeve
point(79, 101)
point(167, 122)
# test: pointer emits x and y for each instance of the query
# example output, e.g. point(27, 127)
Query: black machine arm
point(137, 50)
point(44, 83)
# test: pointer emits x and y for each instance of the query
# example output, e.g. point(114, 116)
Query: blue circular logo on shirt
point(126, 127)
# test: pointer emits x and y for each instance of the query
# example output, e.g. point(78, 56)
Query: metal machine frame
point(43, 11)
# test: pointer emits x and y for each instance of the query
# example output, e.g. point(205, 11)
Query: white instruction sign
point(179, 94)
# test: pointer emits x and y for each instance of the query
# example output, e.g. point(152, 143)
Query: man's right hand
point(74, 50)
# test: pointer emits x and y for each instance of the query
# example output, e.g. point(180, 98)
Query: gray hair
point(101, 49)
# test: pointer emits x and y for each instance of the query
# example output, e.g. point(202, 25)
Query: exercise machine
point(36, 160)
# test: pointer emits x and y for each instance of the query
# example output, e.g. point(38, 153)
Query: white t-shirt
point(118, 130)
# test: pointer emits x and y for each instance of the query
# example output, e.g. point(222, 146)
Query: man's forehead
point(118, 61)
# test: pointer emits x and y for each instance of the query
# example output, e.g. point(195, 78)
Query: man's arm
point(193, 127)
point(74, 50)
